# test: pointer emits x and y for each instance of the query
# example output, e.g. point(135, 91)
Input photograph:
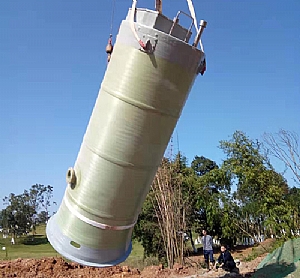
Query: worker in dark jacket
point(226, 260)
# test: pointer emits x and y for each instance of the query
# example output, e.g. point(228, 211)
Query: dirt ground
point(58, 268)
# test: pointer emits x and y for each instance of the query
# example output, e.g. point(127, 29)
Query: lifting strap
point(193, 15)
point(112, 16)
point(158, 6)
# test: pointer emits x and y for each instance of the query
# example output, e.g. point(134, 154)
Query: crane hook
point(109, 48)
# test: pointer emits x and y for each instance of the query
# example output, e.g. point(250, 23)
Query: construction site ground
point(283, 262)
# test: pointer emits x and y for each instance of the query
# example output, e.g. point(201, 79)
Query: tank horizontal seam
point(95, 223)
point(117, 161)
point(97, 215)
point(137, 104)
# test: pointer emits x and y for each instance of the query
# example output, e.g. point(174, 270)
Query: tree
point(41, 196)
point(202, 165)
point(42, 217)
point(260, 190)
point(284, 145)
point(212, 183)
point(147, 230)
point(3, 219)
point(273, 204)
point(21, 212)
point(168, 211)
point(185, 199)
point(293, 198)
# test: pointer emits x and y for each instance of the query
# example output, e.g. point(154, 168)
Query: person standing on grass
point(208, 251)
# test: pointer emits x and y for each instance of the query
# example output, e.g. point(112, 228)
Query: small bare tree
point(170, 210)
point(284, 145)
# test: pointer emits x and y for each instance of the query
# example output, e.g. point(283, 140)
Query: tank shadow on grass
point(35, 240)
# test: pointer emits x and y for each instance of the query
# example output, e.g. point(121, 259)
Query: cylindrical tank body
point(140, 100)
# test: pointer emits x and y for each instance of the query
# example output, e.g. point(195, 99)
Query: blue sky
point(52, 61)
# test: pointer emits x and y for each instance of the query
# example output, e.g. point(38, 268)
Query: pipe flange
point(71, 177)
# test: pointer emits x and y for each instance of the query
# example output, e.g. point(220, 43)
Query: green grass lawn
point(39, 247)
point(25, 247)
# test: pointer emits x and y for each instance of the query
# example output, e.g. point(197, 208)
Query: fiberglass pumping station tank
point(149, 76)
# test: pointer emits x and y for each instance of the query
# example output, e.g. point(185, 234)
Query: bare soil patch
point(58, 267)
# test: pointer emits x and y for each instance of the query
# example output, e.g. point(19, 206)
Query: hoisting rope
point(112, 16)
point(109, 46)
point(134, 2)
point(193, 15)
